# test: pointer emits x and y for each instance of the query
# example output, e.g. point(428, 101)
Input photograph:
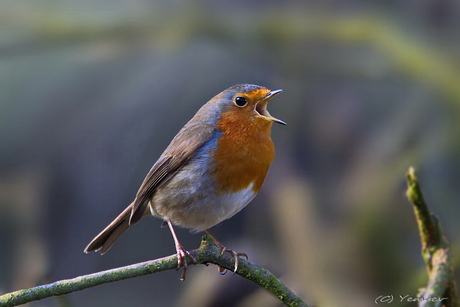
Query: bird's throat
point(244, 153)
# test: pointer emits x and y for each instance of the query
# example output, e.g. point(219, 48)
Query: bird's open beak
point(261, 107)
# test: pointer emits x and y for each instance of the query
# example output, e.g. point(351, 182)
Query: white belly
point(204, 211)
point(235, 202)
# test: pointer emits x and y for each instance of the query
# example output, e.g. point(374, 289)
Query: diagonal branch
point(441, 289)
point(208, 252)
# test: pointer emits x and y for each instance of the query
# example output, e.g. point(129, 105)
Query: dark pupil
point(240, 101)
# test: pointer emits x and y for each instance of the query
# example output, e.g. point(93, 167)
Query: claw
point(182, 254)
point(221, 270)
point(235, 255)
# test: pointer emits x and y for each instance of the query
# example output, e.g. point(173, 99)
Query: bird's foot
point(182, 255)
point(223, 249)
point(235, 256)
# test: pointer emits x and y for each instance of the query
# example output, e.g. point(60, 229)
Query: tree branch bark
point(208, 252)
point(435, 251)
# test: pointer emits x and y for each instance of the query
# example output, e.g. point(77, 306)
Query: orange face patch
point(255, 95)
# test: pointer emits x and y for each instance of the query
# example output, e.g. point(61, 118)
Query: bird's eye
point(240, 101)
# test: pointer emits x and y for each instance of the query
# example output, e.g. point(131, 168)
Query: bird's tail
point(104, 240)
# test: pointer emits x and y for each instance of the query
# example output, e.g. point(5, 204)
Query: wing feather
point(182, 148)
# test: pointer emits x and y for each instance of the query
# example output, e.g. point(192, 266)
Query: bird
point(211, 170)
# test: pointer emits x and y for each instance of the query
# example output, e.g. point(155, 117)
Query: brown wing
point(179, 152)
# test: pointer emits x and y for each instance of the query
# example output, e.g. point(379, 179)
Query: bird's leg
point(181, 252)
point(235, 255)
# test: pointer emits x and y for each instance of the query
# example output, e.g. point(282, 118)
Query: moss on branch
point(435, 250)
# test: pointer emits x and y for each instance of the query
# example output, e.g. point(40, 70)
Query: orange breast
point(244, 151)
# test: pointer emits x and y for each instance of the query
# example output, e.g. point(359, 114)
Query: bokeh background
point(92, 92)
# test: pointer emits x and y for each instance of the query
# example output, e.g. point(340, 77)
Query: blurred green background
point(92, 92)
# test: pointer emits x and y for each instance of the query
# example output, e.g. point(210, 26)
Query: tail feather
point(105, 239)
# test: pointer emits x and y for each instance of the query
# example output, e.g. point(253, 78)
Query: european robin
point(211, 170)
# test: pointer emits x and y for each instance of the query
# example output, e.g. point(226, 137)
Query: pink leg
point(181, 252)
